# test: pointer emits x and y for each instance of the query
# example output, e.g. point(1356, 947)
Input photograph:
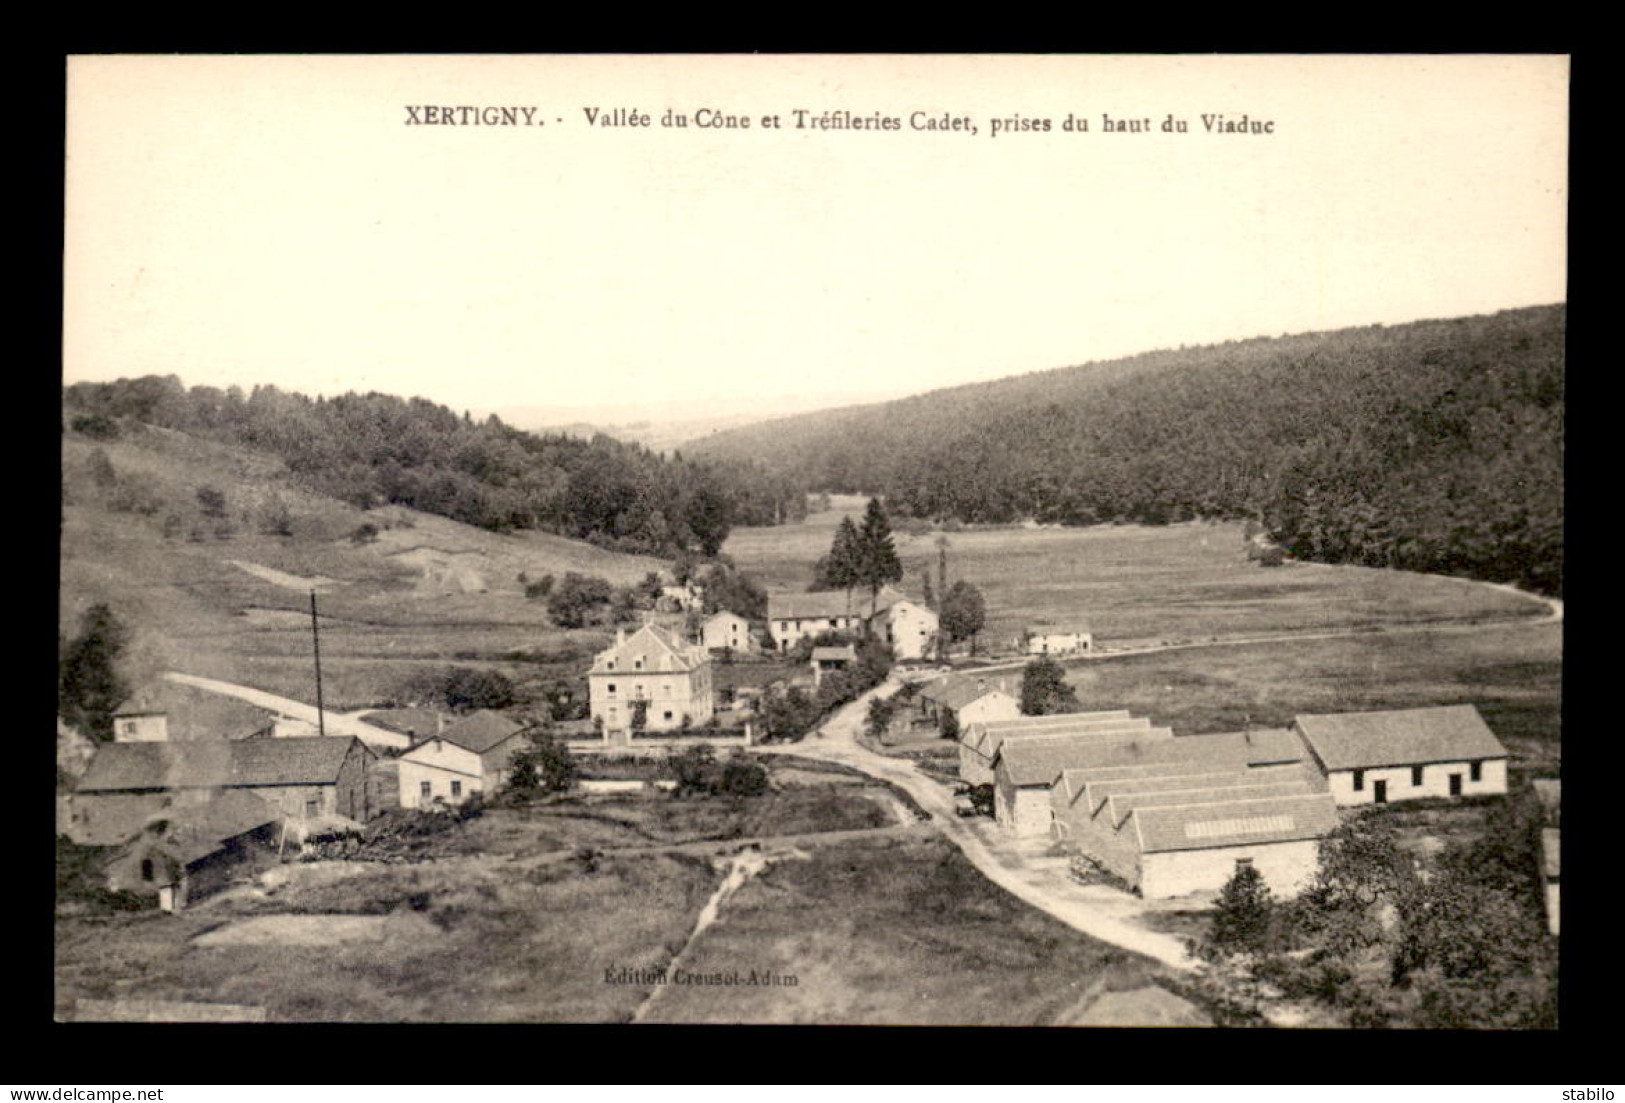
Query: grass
point(1513, 675)
point(892, 932)
point(502, 948)
point(1135, 583)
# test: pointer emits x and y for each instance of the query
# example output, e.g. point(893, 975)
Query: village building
point(970, 698)
point(127, 783)
point(192, 850)
point(979, 741)
point(1025, 767)
point(1405, 754)
point(472, 755)
point(827, 659)
point(793, 617)
point(654, 666)
point(907, 626)
point(680, 599)
point(1182, 819)
point(1045, 639)
point(727, 630)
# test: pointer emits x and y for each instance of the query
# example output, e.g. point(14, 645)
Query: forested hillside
point(374, 449)
point(1434, 446)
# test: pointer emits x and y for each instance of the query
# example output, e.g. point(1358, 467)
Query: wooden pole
point(316, 647)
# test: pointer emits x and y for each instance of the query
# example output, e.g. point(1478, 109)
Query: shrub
point(96, 427)
point(365, 533)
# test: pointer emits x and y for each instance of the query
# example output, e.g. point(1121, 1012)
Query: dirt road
point(334, 722)
point(1097, 911)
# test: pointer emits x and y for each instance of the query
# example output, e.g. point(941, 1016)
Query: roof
point(1120, 805)
point(417, 722)
point(1098, 731)
point(481, 730)
point(950, 686)
point(1041, 761)
point(816, 604)
point(1549, 855)
point(845, 653)
point(193, 713)
point(652, 641)
point(1234, 823)
point(1400, 737)
point(215, 764)
point(197, 830)
point(1037, 723)
point(1161, 778)
point(1071, 628)
point(727, 615)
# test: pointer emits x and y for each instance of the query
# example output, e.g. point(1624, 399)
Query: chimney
point(620, 636)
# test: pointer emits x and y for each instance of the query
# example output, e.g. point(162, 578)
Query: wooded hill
point(1432, 446)
point(374, 449)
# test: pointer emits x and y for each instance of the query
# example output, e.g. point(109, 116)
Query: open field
point(1137, 583)
point(1513, 674)
point(893, 932)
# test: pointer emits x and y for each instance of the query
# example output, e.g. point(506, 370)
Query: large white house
point(1405, 754)
point(655, 666)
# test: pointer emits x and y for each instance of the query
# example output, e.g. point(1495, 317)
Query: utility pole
point(316, 647)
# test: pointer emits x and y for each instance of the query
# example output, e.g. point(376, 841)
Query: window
point(667, 714)
point(312, 807)
point(1416, 776)
point(146, 869)
point(456, 788)
point(424, 789)
point(637, 664)
point(1476, 771)
point(610, 665)
point(1359, 780)
point(610, 688)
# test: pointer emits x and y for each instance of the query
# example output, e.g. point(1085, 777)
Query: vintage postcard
point(1063, 540)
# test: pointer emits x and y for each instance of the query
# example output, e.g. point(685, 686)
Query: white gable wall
point(1401, 784)
point(1287, 868)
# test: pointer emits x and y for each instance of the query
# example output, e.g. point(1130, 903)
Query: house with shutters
point(126, 784)
point(471, 755)
point(1055, 641)
point(654, 666)
point(907, 626)
point(1405, 754)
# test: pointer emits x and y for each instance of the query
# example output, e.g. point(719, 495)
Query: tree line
point(375, 449)
point(1434, 446)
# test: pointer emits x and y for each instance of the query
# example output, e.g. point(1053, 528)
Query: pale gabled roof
point(481, 730)
point(1120, 805)
point(216, 764)
point(1399, 737)
point(1234, 823)
point(974, 733)
point(1040, 761)
point(726, 615)
point(1099, 731)
point(1163, 777)
point(1162, 751)
point(653, 643)
point(967, 693)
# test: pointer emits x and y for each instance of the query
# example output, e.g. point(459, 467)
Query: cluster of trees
point(860, 557)
point(1434, 446)
point(1045, 690)
point(698, 773)
point(546, 766)
point(460, 689)
point(372, 449)
point(1391, 941)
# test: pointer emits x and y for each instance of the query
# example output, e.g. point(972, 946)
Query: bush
point(365, 533)
point(96, 427)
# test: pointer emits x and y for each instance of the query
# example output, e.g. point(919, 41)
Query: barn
point(1405, 754)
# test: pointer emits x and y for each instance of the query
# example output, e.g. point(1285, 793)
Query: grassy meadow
point(1136, 584)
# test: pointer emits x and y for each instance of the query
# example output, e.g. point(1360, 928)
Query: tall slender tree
point(877, 554)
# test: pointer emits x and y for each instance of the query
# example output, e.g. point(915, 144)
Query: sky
point(296, 221)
